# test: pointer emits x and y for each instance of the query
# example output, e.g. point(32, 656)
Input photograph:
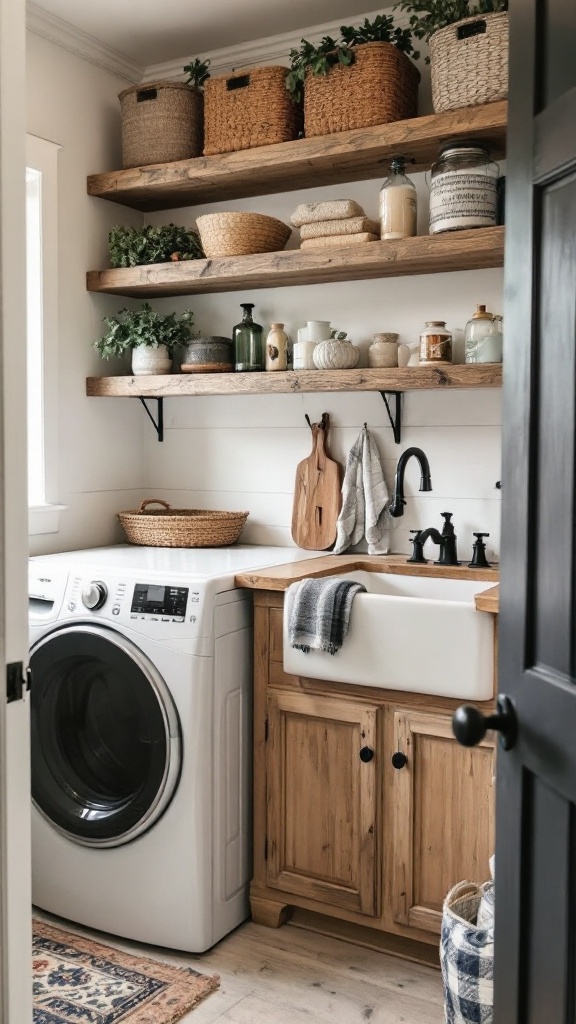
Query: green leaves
point(428, 16)
point(198, 72)
point(132, 327)
point(133, 247)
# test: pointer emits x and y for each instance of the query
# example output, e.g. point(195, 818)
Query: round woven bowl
point(181, 527)
point(240, 234)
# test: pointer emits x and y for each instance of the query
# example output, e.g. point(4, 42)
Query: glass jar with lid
point(483, 337)
point(463, 188)
point(435, 342)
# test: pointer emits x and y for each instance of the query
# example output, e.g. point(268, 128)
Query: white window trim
point(42, 155)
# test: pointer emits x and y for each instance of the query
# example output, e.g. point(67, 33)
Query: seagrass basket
point(239, 234)
point(380, 86)
point(469, 62)
point(181, 527)
point(247, 109)
point(161, 122)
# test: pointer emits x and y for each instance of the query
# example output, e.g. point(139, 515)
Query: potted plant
point(363, 78)
point(151, 337)
point(468, 42)
point(133, 247)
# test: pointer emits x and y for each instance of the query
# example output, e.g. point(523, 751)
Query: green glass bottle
point(248, 342)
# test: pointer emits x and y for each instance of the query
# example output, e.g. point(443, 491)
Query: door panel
point(322, 800)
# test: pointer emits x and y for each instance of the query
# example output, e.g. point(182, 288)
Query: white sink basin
point(413, 633)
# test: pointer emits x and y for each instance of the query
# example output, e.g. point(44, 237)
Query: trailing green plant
point(428, 16)
point(133, 327)
point(318, 60)
point(198, 72)
point(132, 247)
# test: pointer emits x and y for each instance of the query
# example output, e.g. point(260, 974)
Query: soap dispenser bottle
point(248, 344)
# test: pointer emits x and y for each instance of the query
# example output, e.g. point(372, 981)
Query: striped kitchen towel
point(319, 613)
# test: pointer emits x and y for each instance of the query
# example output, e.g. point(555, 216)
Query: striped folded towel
point(346, 226)
point(331, 241)
point(319, 613)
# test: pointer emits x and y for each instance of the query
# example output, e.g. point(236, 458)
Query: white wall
point(75, 104)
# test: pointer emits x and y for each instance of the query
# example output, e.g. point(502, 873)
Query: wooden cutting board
point(317, 495)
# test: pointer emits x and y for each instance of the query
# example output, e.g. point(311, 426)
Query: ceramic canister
point(384, 350)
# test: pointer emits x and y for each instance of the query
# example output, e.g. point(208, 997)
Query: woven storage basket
point(469, 62)
point(239, 234)
point(380, 86)
point(161, 122)
point(181, 527)
point(247, 109)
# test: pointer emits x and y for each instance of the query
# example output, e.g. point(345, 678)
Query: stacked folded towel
point(333, 223)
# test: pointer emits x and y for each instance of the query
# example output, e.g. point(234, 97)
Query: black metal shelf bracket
point(157, 423)
point(396, 419)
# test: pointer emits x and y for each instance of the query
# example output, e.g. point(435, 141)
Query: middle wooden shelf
point(425, 254)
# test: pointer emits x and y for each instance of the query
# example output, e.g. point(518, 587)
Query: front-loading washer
point(141, 752)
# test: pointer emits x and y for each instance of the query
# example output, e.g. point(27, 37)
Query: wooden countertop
point(488, 600)
point(279, 577)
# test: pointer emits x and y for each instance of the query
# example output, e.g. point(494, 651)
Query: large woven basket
point(161, 122)
point(181, 527)
point(239, 234)
point(247, 109)
point(380, 86)
point(469, 62)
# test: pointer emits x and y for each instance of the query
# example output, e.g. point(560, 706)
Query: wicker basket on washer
point(469, 62)
point(247, 109)
point(181, 527)
point(161, 122)
point(380, 86)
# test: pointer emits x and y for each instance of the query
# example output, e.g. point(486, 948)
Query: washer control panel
point(157, 601)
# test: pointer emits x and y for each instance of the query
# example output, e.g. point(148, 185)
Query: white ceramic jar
point(383, 351)
point(150, 359)
point(276, 348)
point(317, 330)
point(303, 355)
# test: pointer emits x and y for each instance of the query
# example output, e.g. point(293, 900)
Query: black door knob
point(366, 754)
point(470, 725)
point(399, 760)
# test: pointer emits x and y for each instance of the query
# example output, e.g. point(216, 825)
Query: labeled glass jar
point(397, 203)
point(435, 342)
point(483, 337)
point(463, 188)
point(248, 345)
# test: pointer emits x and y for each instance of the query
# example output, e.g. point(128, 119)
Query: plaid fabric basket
point(467, 957)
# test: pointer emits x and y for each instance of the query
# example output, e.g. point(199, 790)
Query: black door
point(106, 749)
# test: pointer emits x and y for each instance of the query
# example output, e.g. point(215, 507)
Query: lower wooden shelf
point(410, 378)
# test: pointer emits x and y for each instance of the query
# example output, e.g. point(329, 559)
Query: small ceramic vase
point(277, 348)
point(317, 330)
point(336, 355)
point(150, 359)
point(384, 350)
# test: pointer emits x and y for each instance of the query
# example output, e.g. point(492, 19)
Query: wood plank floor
point(293, 976)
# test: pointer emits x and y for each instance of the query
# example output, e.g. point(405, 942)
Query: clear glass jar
point(463, 188)
point(397, 203)
point(248, 344)
point(483, 337)
point(435, 342)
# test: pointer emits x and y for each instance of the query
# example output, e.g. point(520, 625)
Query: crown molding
point(272, 50)
point(58, 31)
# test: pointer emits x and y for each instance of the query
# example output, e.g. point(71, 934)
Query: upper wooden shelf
point(425, 254)
point(305, 163)
point(411, 378)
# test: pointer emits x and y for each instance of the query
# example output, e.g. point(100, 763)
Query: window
point(42, 312)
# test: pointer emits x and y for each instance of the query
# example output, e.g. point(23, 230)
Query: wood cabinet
point(339, 830)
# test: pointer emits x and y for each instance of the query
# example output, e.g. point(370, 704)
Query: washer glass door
point(106, 742)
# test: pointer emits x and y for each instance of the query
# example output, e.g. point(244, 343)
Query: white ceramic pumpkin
point(335, 355)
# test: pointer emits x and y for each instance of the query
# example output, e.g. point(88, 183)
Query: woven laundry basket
point(161, 122)
point(240, 234)
point(247, 109)
point(181, 527)
point(469, 62)
point(380, 86)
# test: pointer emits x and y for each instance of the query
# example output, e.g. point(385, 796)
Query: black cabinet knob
point(366, 754)
point(470, 725)
point(399, 760)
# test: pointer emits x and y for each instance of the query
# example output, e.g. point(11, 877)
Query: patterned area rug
point(78, 981)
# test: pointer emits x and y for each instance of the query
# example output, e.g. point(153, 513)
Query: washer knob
point(94, 596)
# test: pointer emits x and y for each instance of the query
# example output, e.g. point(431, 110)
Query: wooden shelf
point(411, 378)
point(305, 163)
point(425, 254)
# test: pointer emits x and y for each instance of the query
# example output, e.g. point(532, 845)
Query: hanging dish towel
point(319, 613)
point(365, 499)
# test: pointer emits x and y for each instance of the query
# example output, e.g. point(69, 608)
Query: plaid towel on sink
point(319, 613)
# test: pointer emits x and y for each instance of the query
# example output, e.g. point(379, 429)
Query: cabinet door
point(322, 799)
point(443, 817)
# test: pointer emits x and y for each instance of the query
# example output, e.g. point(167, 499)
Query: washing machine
point(141, 739)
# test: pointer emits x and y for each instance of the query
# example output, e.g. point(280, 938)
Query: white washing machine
point(141, 739)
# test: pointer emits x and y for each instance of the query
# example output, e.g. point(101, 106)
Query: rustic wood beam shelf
point(305, 163)
point(425, 254)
